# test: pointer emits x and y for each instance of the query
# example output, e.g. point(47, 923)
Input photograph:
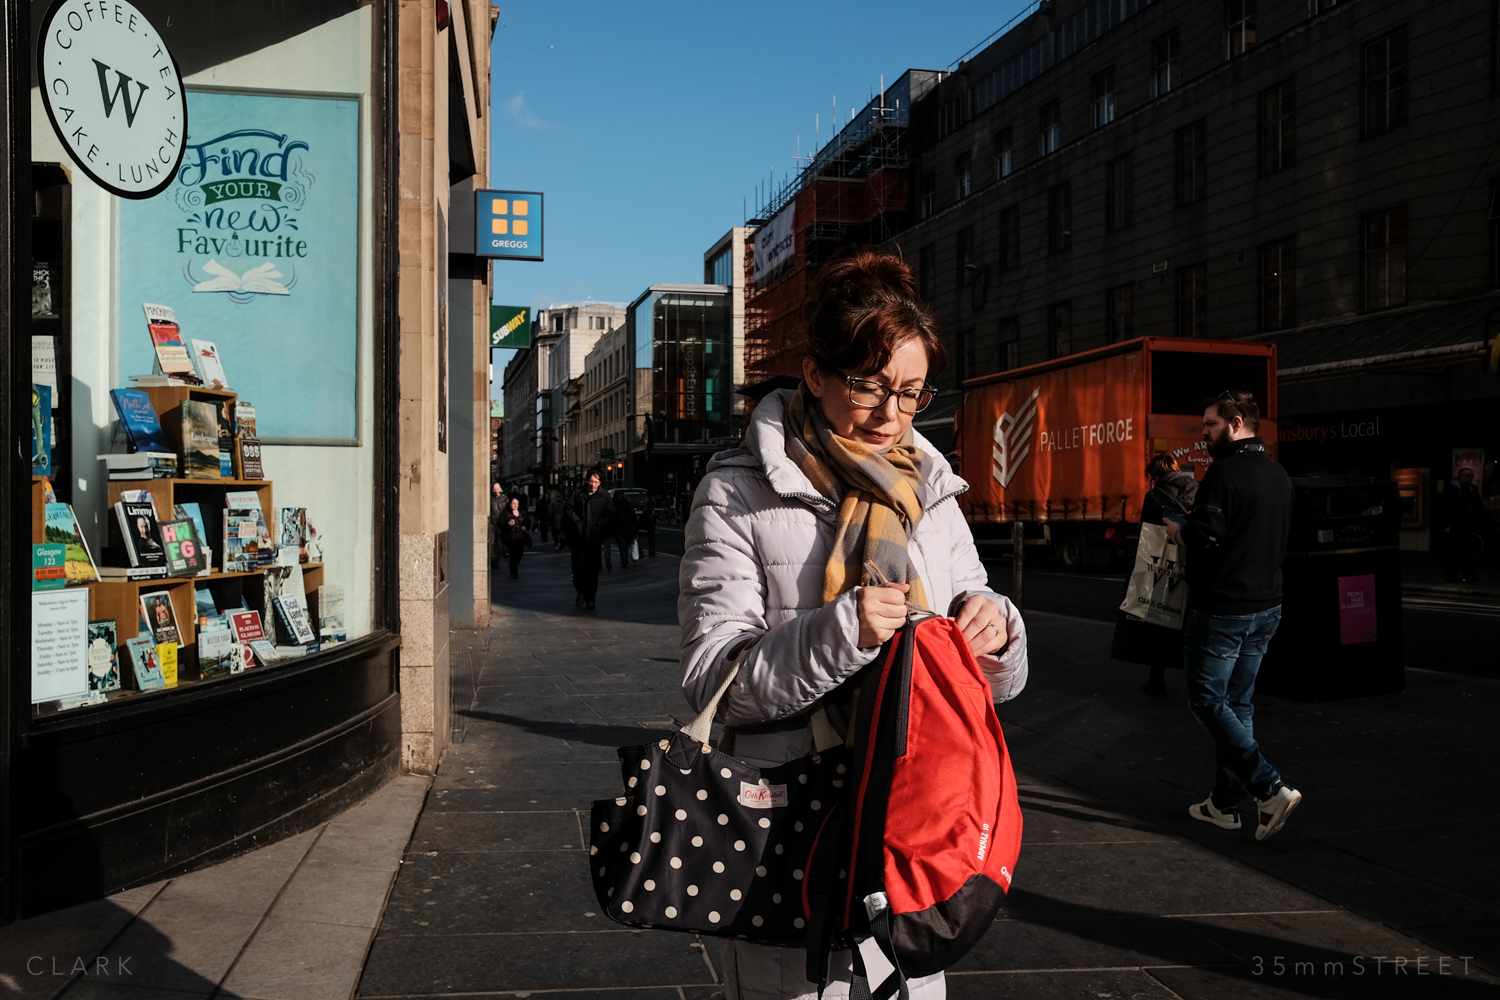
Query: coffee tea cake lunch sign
point(113, 93)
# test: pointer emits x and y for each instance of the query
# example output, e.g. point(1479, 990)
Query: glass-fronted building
point(682, 396)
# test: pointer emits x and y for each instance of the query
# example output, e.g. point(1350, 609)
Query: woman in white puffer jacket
point(829, 482)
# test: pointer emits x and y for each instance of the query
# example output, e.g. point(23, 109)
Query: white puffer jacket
point(755, 550)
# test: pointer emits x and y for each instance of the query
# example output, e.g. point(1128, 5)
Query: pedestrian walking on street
point(648, 519)
point(1236, 537)
point(831, 489)
point(515, 530)
point(1464, 522)
point(555, 511)
point(625, 528)
point(497, 512)
point(588, 517)
point(543, 507)
point(1172, 491)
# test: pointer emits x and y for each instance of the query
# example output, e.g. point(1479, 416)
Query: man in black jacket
point(589, 519)
point(1236, 540)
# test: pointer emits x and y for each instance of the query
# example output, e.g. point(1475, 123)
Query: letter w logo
point(122, 93)
point(1013, 440)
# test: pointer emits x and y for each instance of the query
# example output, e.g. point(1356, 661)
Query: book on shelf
point(103, 656)
point(244, 418)
point(166, 659)
point(41, 430)
point(200, 439)
point(143, 663)
point(49, 568)
point(331, 628)
point(264, 651)
point(291, 530)
point(210, 366)
point(62, 528)
point(248, 458)
point(161, 617)
point(141, 465)
point(215, 644)
point(184, 549)
point(139, 420)
point(247, 543)
point(48, 493)
point(246, 625)
point(172, 357)
point(134, 533)
point(162, 381)
point(205, 607)
point(292, 620)
point(117, 574)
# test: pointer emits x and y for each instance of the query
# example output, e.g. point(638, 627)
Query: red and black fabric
point(921, 854)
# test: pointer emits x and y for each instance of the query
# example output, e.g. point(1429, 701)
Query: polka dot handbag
point(703, 842)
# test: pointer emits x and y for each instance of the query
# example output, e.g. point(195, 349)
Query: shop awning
point(1414, 337)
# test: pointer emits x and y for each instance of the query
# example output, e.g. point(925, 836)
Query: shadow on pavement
point(602, 736)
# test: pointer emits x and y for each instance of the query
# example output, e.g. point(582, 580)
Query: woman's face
point(515, 505)
point(883, 426)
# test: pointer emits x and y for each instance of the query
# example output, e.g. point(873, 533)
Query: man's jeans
point(1222, 654)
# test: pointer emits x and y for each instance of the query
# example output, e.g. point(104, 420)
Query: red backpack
point(922, 852)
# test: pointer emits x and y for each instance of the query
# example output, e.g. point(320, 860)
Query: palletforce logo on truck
point(1013, 440)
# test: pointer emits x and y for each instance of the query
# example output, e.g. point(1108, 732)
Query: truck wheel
point(1071, 551)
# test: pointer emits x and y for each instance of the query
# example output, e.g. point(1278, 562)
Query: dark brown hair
point(863, 305)
point(1160, 465)
point(1233, 403)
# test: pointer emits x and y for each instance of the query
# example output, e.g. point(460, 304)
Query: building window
point(1060, 218)
point(1165, 69)
point(719, 269)
point(969, 361)
point(1278, 128)
point(1278, 285)
point(963, 257)
point(1316, 7)
point(1119, 314)
point(1385, 259)
point(1192, 301)
point(1059, 330)
point(1009, 344)
point(1010, 238)
point(1383, 65)
point(1049, 129)
point(963, 174)
point(926, 265)
point(929, 195)
point(1239, 17)
point(1104, 97)
point(1191, 173)
point(1005, 163)
point(1118, 194)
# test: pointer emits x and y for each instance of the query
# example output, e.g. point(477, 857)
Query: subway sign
point(508, 224)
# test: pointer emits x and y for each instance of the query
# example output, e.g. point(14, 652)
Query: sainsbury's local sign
point(113, 93)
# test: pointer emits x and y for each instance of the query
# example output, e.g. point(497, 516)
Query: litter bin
point(1341, 630)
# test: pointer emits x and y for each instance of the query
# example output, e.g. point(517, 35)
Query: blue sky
point(649, 125)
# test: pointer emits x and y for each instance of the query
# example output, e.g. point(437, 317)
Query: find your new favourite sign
point(113, 93)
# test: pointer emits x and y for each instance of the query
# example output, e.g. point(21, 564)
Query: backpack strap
point(825, 737)
point(878, 906)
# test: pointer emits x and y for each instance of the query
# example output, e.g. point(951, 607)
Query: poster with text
point(255, 244)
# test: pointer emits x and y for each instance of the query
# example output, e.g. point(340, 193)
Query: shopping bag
point(635, 550)
point(1158, 589)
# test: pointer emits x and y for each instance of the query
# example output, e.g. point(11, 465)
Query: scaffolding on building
point(854, 190)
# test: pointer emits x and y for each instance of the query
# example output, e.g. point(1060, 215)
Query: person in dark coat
point(625, 528)
point(497, 512)
point(589, 519)
point(542, 509)
point(515, 533)
point(649, 523)
point(1463, 527)
point(1158, 647)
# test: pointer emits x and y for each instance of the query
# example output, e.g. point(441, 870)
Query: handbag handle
point(825, 737)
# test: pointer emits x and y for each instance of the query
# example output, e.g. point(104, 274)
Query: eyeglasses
point(872, 395)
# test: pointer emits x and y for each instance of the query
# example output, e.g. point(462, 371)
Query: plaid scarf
point(877, 496)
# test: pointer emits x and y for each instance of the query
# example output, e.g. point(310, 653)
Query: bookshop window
point(202, 353)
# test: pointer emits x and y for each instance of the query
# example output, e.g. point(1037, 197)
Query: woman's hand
point(983, 625)
point(881, 612)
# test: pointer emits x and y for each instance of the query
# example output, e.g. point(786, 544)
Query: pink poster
point(1356, 609)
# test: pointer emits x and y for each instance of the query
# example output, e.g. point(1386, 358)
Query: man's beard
point(1219, 445)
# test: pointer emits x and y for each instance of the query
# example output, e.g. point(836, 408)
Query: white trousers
point(765, 972)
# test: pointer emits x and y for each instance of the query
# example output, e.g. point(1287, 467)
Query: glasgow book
point(49, 570)
point(172, 357)
point(62, 528)
point(244, 418)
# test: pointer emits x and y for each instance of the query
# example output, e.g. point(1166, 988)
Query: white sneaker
point(1275, 810)
point(1206, 812)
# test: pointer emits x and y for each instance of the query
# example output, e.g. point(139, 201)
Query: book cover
point(214, 646)
point(210, 367)
point(249, 465)
point(49, 569)
point(104, 657)
point(136, 533)
point(184, 549)
point(292, 530)
point(166, 340)
point(246, 625)
point(200, 440)
point(292, 618)
point(193, 512)
point(331, 628)
point(143, 664)
point(240, 658)
point(161, 617)
point(244, 418)
point(247, 543)
point(62, 528)
point(139, 420)
point(242, 499)
point(166, 659)
point(263, 650)
point(41, 430)
point(204, 605)
point(226, 464)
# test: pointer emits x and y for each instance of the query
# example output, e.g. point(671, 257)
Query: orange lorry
point(1062, 446)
